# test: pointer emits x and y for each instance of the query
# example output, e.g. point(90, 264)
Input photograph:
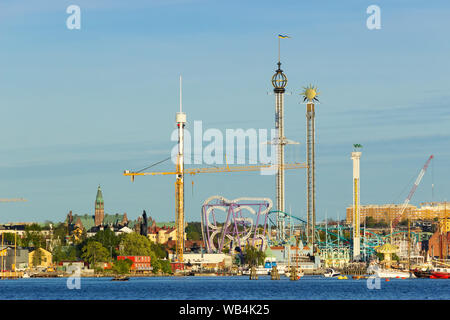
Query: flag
point(357, 145)
point(283, 36)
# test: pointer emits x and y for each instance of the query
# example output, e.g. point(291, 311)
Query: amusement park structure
point(245, 223)
point(180, 171)
point(356, 155)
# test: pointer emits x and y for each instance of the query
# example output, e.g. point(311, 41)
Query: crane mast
point(179, 182)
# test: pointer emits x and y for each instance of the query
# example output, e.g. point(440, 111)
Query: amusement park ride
point(250, 220)
point(180, 171)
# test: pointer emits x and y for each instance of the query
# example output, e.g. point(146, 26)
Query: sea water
point(220, 288)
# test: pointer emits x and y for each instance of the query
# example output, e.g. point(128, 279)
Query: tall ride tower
point(356, 155)
point(279, 82)
point(179, 182)
point(310, 96)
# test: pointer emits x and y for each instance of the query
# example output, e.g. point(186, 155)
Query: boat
point(440, 273)
point(342, 277)
point(25, 275)
point(422, 273)
point(259, 271)
point(300, 273)
point(390, 273)
point(120, 278)
point(330, 273)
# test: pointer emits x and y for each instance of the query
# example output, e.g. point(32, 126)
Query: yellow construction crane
point(13, 200)
point(179, 188)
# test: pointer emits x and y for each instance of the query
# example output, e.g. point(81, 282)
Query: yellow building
point(163, 235)
point(391, 212)
point(385, 212)
point(45, 259)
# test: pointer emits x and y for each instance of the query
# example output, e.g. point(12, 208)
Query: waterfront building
point(140, 263)
point(391, 212)
point(163, 232)
point(44, 261)
point(385, 212)
point(439, 245)
point(206, 261)
point(9, 257)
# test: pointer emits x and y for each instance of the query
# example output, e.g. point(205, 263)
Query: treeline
point(105, 246)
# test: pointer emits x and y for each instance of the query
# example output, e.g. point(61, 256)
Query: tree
point(159, 250)
point(194, 231)
point(156, 265)
point(61, 253)
point(32, 239)
point(165, 266)
point(108, 239)
point(37, 257)
point(253, 256)
point(33, 227)
point(9, 238)
point(60, 232)
point(122, 266)
point(134, 244)
point(94, 252)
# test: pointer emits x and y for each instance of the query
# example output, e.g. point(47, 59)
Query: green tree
point(122, 266)
point(165, 266)
point(108, 239)
point(37, 257)
point(94, 252)
point(253, 256)
point(156, 265)
point(134, 244)
point(33, 227)
point(9, 238)
point(159, 250)
point(62, 253)
point(32, 239)
point(194, 231)
point(60, 232)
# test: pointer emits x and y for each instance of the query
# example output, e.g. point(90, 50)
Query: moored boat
point(422, 273)
point(440, 273)
point(389, 273)
point(331, 273)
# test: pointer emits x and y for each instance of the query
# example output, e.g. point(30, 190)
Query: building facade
point(140, 263)
point(392, 212)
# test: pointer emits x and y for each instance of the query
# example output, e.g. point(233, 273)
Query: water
point(220, 288)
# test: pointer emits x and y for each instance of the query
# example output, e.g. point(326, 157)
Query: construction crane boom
point(193, 171)
point(413, 189)
point(13, 200)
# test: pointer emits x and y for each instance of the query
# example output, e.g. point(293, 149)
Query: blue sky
point(80, 106)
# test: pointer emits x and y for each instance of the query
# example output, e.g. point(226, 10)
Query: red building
point(140, 263)
point(439, 245)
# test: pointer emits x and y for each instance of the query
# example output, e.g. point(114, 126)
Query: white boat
point(389, 273)
point(25, 275)
point(259, 271)
point(330, 273)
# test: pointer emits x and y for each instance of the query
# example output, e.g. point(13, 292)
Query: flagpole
point(279, 49)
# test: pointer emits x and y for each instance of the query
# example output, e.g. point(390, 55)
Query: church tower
point(99, 208)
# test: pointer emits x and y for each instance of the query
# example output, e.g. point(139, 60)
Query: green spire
point(99, 199)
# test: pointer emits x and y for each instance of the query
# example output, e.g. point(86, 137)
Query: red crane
point(411, 193)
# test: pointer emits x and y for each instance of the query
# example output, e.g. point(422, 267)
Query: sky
point(78, 107)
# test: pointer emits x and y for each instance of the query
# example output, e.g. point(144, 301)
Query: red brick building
point(439, 245)
point(140, 263)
